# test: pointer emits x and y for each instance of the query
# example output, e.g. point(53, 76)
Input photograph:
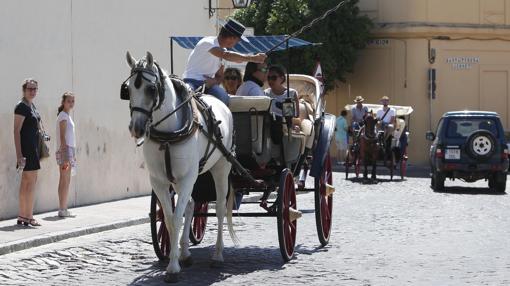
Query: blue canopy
point(257, 44)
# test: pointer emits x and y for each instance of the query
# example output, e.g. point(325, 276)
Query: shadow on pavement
point(15, 227)
point(238, 262)
point(470, 191)
point(411, 171)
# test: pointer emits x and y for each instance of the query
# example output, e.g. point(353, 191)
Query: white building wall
point(80, 45)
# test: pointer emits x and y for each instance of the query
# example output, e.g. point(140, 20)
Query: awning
point(257, 44)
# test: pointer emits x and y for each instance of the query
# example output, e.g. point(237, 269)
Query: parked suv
point(469, 145)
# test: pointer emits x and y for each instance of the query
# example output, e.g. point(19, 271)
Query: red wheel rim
point(289, 201)
point(199, 223)
point(163, 236)
point(326, 202)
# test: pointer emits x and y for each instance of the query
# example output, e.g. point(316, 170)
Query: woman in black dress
point(26, 141)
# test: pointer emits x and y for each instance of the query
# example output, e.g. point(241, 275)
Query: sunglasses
point(31, 88)
point(231, 78)
point(264, 70)
point(272, 77)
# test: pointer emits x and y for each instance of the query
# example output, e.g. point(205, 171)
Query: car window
point(463, 127)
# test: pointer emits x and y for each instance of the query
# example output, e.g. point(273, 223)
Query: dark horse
point(369, 147)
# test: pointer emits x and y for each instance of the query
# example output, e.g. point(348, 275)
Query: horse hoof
point(187, 262)
point(172, 278)
point(216, 264)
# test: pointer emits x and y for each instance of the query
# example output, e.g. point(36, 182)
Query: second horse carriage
point(288, 160)
point(367, 141)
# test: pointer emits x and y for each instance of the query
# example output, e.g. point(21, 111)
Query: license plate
point(452, 154)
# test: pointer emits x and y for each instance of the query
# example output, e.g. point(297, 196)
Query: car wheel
point(481, 145)
point(500, 182)
point(438, 179)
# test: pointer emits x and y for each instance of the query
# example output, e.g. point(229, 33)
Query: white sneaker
point(64, 213)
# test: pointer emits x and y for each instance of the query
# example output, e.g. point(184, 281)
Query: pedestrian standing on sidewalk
point(341, 137)
point(66, 150)
point(26, 143)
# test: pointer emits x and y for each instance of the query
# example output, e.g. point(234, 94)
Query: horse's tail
point(230, 207)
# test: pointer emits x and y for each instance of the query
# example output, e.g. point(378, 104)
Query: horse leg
point(183, 188)
point(185, 258)
point(374, 167)
point(220, 172)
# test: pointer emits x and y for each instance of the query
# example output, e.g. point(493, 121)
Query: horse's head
point(144, 89)
point(370, 123)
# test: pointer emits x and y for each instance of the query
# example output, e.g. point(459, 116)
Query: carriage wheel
point(403, 165)
point(159, 232)
point(287, 228)
point(198, 224)
point(324, 203)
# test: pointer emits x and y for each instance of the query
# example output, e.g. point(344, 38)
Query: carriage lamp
point(237, 4)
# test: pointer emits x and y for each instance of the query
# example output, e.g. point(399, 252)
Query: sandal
point(32, 222)
point(21, 220)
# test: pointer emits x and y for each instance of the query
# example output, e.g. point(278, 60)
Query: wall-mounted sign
point(379, 42)
point(462, 63)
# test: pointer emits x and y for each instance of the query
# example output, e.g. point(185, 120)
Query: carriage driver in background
point(386, 118)
point(204, 63)
point(358, 113)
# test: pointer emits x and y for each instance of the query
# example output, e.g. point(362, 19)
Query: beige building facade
point(80, 45)
point(466, 42)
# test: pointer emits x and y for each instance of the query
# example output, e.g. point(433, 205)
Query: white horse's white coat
point(185, 157)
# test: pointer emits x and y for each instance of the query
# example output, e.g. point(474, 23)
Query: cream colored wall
point(80, 45)
point(439, 11)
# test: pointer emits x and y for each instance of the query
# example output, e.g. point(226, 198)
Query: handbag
point(44, 150)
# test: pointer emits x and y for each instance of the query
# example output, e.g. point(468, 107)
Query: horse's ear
point(130, 60)
point(150, 59)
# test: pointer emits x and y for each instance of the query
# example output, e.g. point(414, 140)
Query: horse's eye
point(151, 90)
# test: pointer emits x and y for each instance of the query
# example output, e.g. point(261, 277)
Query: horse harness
point(192, 104)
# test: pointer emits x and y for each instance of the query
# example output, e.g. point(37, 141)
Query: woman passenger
point(232, 80)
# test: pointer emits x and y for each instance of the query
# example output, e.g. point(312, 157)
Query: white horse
point(153, 95)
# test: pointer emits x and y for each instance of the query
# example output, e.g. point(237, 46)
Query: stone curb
point(58, 236)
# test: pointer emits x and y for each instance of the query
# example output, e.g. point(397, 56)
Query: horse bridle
point(141, 73)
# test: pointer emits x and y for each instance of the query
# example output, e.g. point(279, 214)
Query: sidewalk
point(87, 220)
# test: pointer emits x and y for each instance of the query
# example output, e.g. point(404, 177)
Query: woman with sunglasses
point(253, 81)
point(278, 91)
point(232, 80)
point(26, 142)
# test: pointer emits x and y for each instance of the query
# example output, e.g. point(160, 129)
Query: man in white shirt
point(204, 63)
point(386, 117)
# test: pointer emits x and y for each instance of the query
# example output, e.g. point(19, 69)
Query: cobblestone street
point(389, 233)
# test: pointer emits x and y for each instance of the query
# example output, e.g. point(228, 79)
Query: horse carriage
point(218, 149)
point(299, 152)
point(369, 147)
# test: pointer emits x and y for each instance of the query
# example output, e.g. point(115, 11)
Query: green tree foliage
point(342, 33)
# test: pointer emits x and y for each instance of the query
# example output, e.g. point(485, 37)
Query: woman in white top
point(66, 154)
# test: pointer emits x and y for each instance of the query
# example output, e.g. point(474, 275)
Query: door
point(495, 91)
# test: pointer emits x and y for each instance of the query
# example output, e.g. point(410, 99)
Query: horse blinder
point(124, 92)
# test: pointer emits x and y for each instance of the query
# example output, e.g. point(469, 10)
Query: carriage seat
point(249, 103)
point(250, 115)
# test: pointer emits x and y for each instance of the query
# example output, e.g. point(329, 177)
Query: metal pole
point(172, 55)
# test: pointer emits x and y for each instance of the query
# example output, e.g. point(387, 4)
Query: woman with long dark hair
point(253, 81)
